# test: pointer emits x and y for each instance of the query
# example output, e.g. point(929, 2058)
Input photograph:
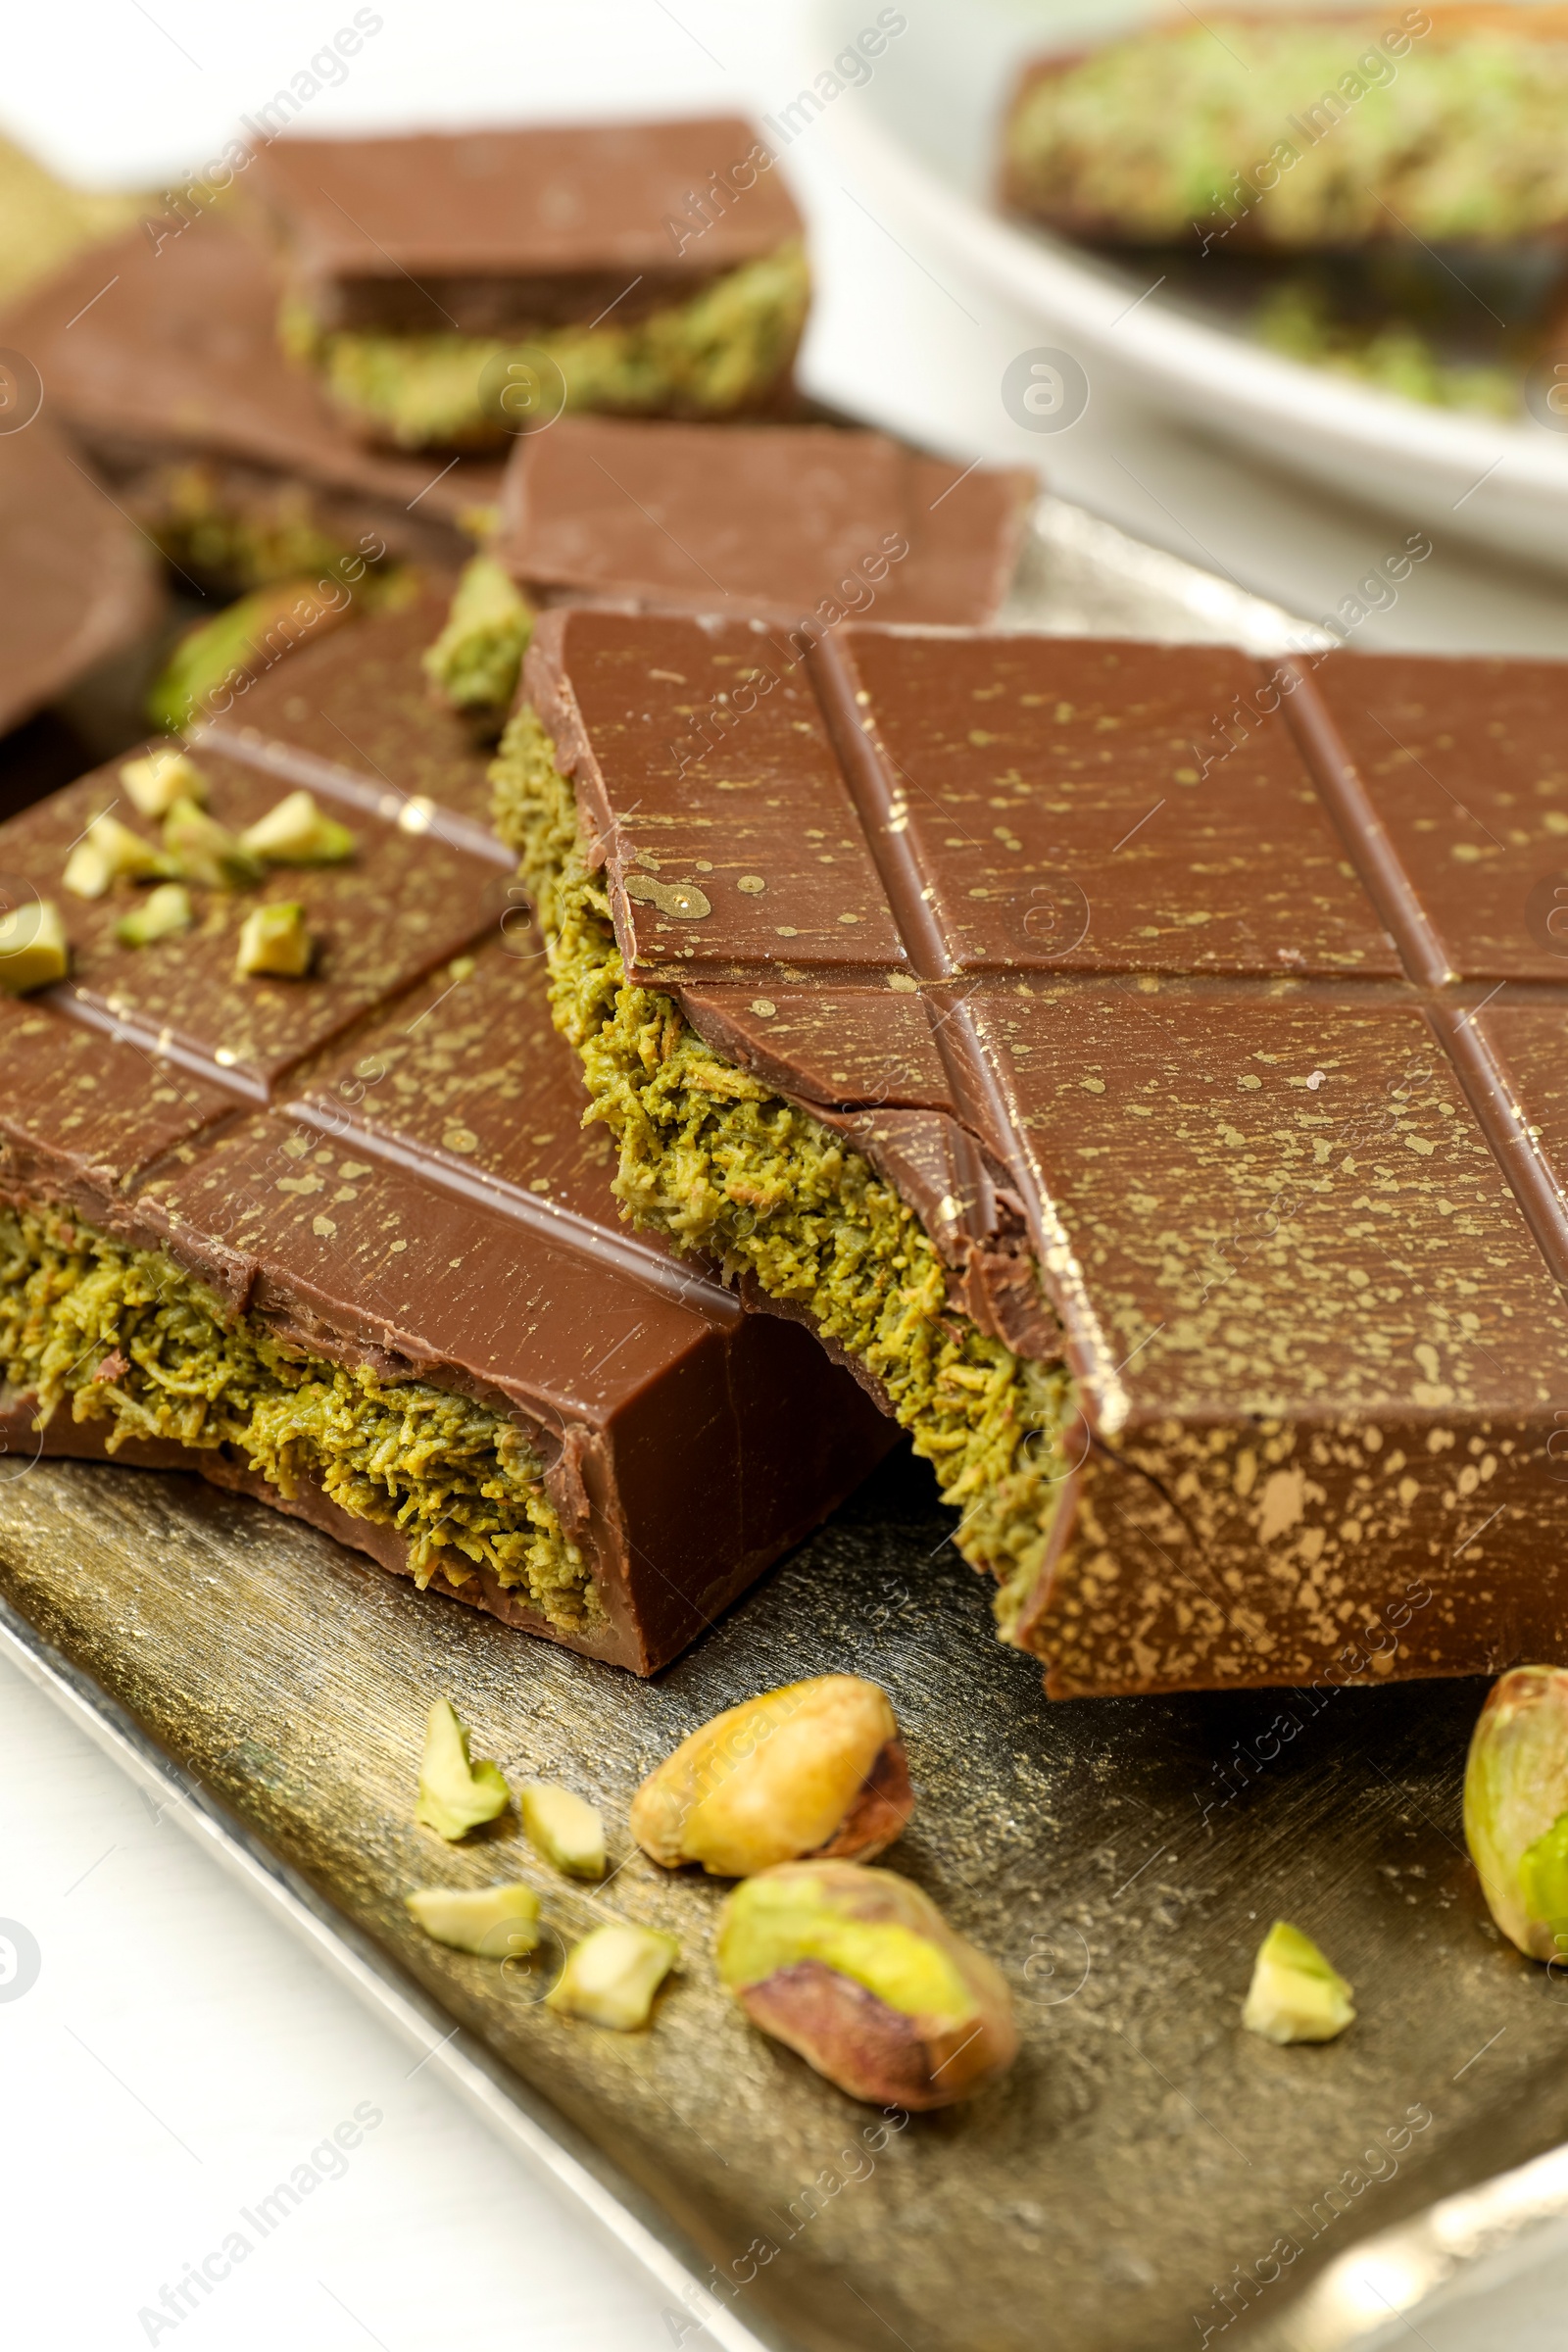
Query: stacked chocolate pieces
point(341, 1241)
point(1208, 1025)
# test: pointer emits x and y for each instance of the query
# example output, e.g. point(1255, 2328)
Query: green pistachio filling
point(713, 1158)
point(128, 1337)
point(232, 537)
point(1299, 320)
point(475, 663)
point(1321, 133)
point(717, 352)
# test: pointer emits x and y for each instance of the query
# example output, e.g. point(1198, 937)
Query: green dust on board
point(124, 1336)
point(722, 1166)
point(718, 350)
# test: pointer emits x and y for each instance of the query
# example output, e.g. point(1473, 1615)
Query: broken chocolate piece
point(1105, 1047)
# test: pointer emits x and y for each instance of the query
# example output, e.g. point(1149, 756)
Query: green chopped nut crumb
point(164, 911)
point(274, 942)
point(33, 949)
point(475, 663)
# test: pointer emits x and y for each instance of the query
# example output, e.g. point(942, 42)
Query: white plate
point(923, 133)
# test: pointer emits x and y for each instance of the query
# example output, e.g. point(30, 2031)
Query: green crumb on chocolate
point(715, 1161)
point(126, 1337)
point(475, 663)
point(722, 350)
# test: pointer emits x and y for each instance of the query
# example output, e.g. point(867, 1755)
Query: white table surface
point(180, 2052)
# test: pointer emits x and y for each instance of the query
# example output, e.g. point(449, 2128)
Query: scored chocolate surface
point(1261, 1031)
point(776, 519)
point(387, 1163)
point(485, 231)
point(164, 349)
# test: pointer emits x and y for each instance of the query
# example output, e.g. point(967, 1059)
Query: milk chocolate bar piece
point(77, 585)
point(790, 522)
point(1146, 1064)
point(504, 233)
point(341, 1241)
point(160, 354)
point(453, 290)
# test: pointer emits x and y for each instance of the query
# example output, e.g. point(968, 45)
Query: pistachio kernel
point(455, 1794)
point(275, 941)
point(612, 1977)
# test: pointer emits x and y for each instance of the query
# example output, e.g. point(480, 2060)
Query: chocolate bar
point(776, 519)
point(159, 353)
point(455, 289)
point(1235, 131)
point(1143, 1063)
point(77, 585)
point(341, 1242)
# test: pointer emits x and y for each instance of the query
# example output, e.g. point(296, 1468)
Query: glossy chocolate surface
point(77, 583)
point(388, 1161)
point(489, 230)
point(1243, 988)
point(772, 519)
point(155, 350)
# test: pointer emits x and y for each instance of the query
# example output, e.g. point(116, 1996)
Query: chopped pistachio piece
point(564, 1827)
point(162, 912)
point(455, 1794)
point(241, 642)
point(1516, 1807)
point(161, 777)
point(106, 853)
point(492, 1921)
point(34, 950)
point(857, 1971)
point(475, 663)
point(612, 1977)
point(296, 833)
point(207, 853)
point(275, 941)
point(1295, 1993)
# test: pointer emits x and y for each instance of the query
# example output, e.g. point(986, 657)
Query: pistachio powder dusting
point(129, 1337)
point(711, 1158)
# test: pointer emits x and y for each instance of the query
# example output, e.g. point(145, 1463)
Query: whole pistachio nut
point(33, 949)
point(1516, 1807)
point(161, 777)
point(816, 1768)
point(564, 1827)
point(492, 1921)
point(275, 940)
point(612, 1977)
point(207, 853)
point(1295, 1995)
point(859, 1972)
point(106, 853)
point(162, 912)
point(296, 833)
point(456, 1793)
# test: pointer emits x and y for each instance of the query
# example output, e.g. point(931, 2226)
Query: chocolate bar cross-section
point(341, 1241)
point(1209, 1017)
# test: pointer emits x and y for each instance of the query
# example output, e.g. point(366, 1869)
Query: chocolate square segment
point(487, 232)
point(1466, 766)
point(745, 852)
point(1056, 800)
